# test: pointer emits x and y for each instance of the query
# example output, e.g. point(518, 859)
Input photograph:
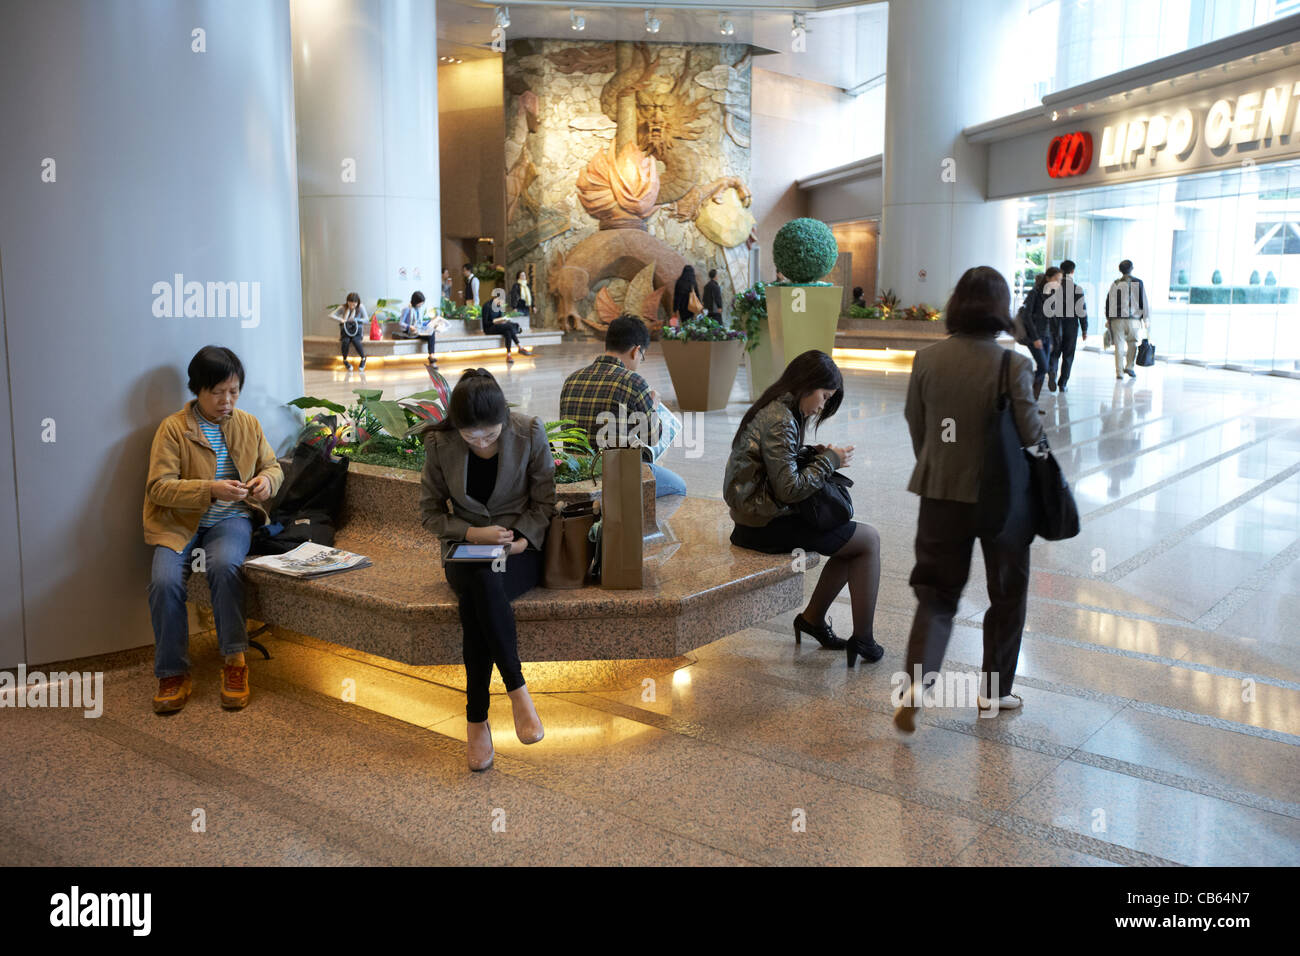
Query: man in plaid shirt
point(613, 404)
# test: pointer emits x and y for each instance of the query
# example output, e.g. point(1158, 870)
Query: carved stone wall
point(650, 138)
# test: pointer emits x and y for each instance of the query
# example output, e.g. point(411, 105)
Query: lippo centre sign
point(1255, 118)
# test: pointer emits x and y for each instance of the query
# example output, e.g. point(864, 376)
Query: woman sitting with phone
point(489, 479)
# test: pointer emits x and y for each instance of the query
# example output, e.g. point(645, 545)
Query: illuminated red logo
point(1069, 155)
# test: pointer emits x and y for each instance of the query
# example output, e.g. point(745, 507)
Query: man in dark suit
point(713, 296)
point(1071, 313)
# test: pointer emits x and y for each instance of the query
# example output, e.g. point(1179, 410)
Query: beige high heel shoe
point(480, 758)
point(529, 730)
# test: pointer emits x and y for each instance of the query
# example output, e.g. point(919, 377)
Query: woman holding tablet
point(489, 479)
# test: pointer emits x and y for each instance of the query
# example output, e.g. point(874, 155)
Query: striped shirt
point(219, 510)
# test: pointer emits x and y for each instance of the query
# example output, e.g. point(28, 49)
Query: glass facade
point(1077, 41)
point(1219, 254)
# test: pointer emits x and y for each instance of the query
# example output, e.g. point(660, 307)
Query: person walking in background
point(521, 296)
point(686, 296)
point(351, 316)
point(210, 471)
point(1072, 318)
point(412, 323)
point(950, 401)
point(1127, 311)
point(1038, 327)
point(766, 479)
point(446, 283)
point(713, 296)
point(489, 478)
point(471, 284)
point(611, 389)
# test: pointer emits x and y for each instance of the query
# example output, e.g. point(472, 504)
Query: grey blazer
point(950, 400)
point(524, 495)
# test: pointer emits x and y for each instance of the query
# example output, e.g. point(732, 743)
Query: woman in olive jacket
point(765, 481)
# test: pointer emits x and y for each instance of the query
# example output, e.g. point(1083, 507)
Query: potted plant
point(703, 357)
point(749, 316)
point(803, 313)
point(490, 276)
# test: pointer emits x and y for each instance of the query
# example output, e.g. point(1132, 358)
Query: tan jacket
point(763, 480)
point(950, 401)
point(182, 467)
point(523, 497)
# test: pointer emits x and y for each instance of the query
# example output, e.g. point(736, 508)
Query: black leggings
point(509, 332)
point(355, 342)
point(488, 623)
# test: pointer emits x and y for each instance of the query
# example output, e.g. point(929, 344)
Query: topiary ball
point(804, 250)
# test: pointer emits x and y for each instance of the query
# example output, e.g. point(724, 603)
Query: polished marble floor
point(1160, 672)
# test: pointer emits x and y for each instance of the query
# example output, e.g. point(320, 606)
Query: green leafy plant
point(575, 459)
point(489, 271)
point(887, 302)
point(748, 309)
point(702, 328)
point(804, 250)
point(865, 312)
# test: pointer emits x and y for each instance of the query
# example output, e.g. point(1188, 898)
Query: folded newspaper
point(309, 560)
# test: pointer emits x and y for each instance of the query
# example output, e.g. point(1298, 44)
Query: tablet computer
point(464, 551)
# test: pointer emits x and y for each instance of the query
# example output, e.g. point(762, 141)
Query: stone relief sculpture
point(630, 130)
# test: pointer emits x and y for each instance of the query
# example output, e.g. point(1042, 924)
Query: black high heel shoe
point(868, 650)
point(825, 636)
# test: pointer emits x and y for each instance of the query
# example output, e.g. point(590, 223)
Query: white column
point(366, 92)
point(948, 68)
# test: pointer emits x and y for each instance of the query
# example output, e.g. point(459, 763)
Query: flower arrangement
point(921, 313)
point(575, 459)
point(702, 328)
point(748, 309)
point(375, 431)
point(887, 303)
point(804, 250)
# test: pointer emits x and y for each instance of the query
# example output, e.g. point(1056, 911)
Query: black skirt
point(782, 535)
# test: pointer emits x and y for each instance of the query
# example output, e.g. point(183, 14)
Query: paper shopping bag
point(620, 513)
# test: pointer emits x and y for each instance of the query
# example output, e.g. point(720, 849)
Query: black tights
point(488, 623)
point(856, 564)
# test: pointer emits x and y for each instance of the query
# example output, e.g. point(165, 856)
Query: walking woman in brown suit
point(950, 403)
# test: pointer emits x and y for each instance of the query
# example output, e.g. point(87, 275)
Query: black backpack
point(307, 506)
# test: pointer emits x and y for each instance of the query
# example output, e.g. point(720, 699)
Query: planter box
point(703, 372)
point(811, 325)
point(763, 371)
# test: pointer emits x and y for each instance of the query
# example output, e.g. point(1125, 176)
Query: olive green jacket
point(763, 480)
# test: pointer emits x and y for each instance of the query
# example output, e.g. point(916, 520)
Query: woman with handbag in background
point(951, 403)
point(686, 296)
point(351, 316)
point(774, 486)
point(489, 478)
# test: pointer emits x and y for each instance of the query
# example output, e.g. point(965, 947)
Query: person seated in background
point(494, 323)
point(858, 298)
point(351, 317)
point(610, 388)
point(411, 323)
point(489, 479)
point(521, 296)
point(713, 296)
point(210, 470)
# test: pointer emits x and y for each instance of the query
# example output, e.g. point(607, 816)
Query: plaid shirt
point(603, 386)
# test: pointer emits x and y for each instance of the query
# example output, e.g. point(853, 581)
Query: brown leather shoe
point(234, 686)
point(172, 694)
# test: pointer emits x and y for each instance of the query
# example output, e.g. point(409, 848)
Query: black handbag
point(1004, 475)
point(1146, 354)
point(831, 505)
point(1056, 516)
point(308, 505)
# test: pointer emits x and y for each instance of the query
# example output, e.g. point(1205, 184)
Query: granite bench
point(322, 351)
point(698, 587)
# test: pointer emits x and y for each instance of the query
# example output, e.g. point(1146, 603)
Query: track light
point(576, 22)
point(651, 23)
point(503, 17)
point(725, 26)
point(799, 25)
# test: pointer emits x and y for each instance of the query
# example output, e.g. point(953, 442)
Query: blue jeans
point(225, 545)
point(667, 482)
point(1040, 359)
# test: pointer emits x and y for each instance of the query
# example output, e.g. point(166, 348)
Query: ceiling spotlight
point(725, 26)
point(651, 23)
point(576, 22)
point(503, 17)
point(800, 24)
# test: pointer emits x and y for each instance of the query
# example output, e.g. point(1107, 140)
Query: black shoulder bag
point(832, 504)
point(1004, 474)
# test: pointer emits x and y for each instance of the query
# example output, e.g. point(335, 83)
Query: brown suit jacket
point(523, 497)
point(950, 401)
